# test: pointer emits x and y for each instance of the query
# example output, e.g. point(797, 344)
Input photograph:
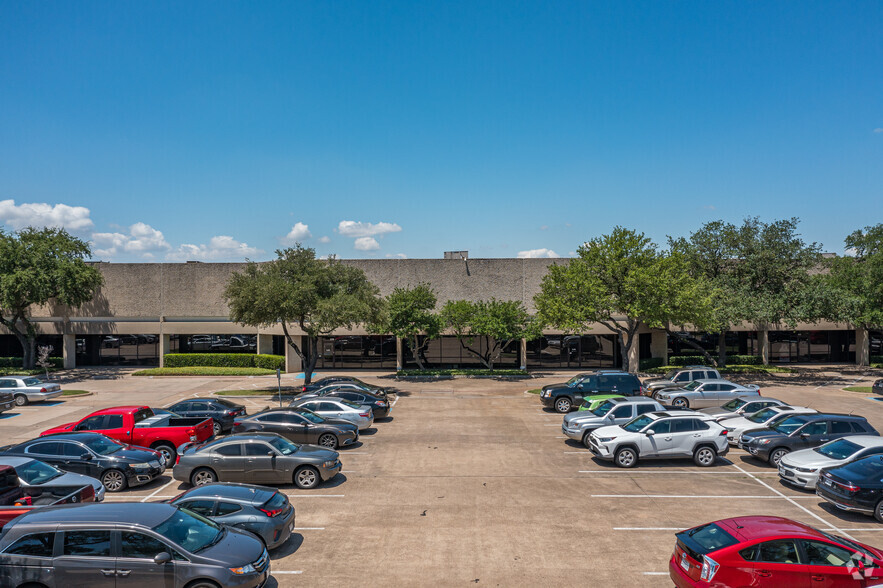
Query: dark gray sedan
point(263, 511)
point(266, 458)
point(300, 425)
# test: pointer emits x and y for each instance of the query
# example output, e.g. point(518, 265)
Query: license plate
point(783, 472)
point(291, 527)
point(684, 563)
point(827, 482)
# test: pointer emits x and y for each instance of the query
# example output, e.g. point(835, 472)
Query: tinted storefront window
point(812, 346)
point(447, 353)
point(357, 352)
point(573, 351)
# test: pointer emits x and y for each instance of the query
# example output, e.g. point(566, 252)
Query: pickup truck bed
point(15, 500)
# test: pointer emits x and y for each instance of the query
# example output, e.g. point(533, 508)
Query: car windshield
point(311, 416)
point(762, 416)
point(32, 382)
point(692, 385)
point(605, 407)
point(103, 445)
point(839, 449)
point(284, 446)
point(190, 530)
point(671, 374)
point(36, 472)
point(574, 380)
point(734, 404)
point(847, 543)
point(638, 423)
point(789, 425)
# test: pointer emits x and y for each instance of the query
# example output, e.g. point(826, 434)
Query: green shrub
point(649, 363)
point(461, 372)
point(682, 360)
point(15, 362)
point(239, 360)
point(204, 371)
point(270, 362)
point(877, 359)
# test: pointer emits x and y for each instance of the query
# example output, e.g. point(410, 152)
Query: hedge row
point(234, 360)
point(15, 362)
point(649, 364)
point(877, 359)
point(682, 360)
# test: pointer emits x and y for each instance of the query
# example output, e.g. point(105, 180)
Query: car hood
point(585, 418)
point(133, 454)
point(342, 424)
point(315, 452)
point(236, 549)
point(716, 411)
point(610, 431)
point(810, 458)
point(763, 433)
point(59, 429)
point(739, 423)
point(561, 386)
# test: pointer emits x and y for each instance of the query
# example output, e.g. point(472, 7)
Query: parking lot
point(472, 482)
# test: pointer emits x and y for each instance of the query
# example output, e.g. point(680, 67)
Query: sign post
point(279, 385)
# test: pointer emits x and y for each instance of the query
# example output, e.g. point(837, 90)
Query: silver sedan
point(705, 394)
point(801, 468)
point(337, 408)
point(740, 407)
point(28, 389)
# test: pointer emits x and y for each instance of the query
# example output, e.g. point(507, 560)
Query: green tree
point(318, 296)
point(494, 323)
point(409, 315)
point(619, 280)
point(858, 279)
point(40, 267)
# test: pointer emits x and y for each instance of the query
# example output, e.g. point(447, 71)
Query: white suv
point(661, 435)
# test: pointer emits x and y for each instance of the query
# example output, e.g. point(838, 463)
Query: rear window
point(707, 538)
point(862, 468)
point(32, 382)
point(276, 502)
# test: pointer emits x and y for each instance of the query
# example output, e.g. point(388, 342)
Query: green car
point(594, 401)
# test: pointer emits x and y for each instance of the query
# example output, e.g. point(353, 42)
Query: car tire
point(114, 481)
point(626, 457)
point(681, 403)
point(203, 476)
point(586, 440)
point(21, 400)
point(878, 511)
point(704, 456)
point(563, 405)
point(168, 452)
point(776, 455)
point(328, 440)
point(216, 428)
point(202, 584)
point(306, 478)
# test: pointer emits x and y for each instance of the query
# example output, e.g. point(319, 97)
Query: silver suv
point(661, 435)
point(615, 411)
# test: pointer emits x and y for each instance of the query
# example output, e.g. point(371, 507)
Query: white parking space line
point(655, 573)
point(729, 497)
point(391, 406)
point(315, 495)
point(648, 528)
point(274, 572)
point(856, 530)
point(553, 425)
point(308, 529)
point(158, 490)
point(674, 472)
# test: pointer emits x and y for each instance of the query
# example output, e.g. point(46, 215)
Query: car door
point(659, 442)
point(706, 395)
point(229, 462)
point(85, 560)
point(726, 392)
point(135, 566)
point(292, 426)
point(313, 405)
point(623, 414)
point(810, 435)
point(830, 565)
point(182, 408)
point(838, 428)
point(260, 462)
point(47, 451)
point(683, 437)
point(75, 459)
point(330, 410)
point(778, 563)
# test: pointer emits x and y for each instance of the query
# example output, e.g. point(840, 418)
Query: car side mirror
point(579, 386)
point(86, 456)
point(610, 415)
point(162, 558)
point(804, 435)
point(649, 432)
point(271, 454)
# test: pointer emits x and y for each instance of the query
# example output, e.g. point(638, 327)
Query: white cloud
point(878, 130)
point(544, 227)
point(325, 239)
point(360, 229)
point(40, 214)
point(298, 232)
point(142, 239)
point(710, 207)
point(396, 256)
point(532, 253)
point(219, 248)
point(367, 244)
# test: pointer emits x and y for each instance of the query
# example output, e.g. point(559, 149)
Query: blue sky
point(224, 130)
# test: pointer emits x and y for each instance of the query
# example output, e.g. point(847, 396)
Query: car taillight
point(192, 434)
point(43, 390)
point(709, 568)
point(849, 487)
point(177, 459)
point(380, 403)
point(303, 389)
point(272, 513)
point(723, 433)
point(364, 415)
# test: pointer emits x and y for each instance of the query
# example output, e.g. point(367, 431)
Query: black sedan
point(221, 411)
point(265, 458)
point(856, 486)
point(328, 380)
point(379, 404)
point(92, 454)
point(300, 426)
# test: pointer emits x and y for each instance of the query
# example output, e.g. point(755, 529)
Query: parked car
point(877, 387)
point(266, 458)
point(801, 468)
point(765, 417)
point(704, 393)
point(680, 377)
point(740, 406)
point(128, 545)
point(263, 511)
point(7, 401)
point(616, 411)
point(590, 403)
point(770, 552)
point(802, 431)
point(855, 487)
point(221, 411)
point(564, 397)
point(330, 407)
point(137, 425)
point(27, 389)
point(33, 472)
point(327, 380)
point(661, 435)
point(380, 406)
point(17, 499)
point(300, 426)
point(116, 465)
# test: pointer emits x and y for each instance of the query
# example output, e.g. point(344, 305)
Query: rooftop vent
point(464, 255)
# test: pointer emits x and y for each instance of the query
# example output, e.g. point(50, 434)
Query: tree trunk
point(695, 346)
point(312, 357)
point(624, 352)
point(722, 349)
point(415, 348)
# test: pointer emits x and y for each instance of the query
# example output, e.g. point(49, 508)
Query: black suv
point(569, 395)
point(802, 431)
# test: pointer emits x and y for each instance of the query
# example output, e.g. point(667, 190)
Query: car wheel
point(563, 405)
point(202, 584)
point(167, 451)
point(328, 440)
point(704, 456)
point(306, 478)
point(587, 441)
point(114, 480)
point(681, 403)
point(776, 455)
point(878, 511)
point(626, 457)
point(203, 476)
point(216, 428)
point(21, 400)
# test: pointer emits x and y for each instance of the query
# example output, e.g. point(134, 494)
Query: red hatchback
point(771, 552)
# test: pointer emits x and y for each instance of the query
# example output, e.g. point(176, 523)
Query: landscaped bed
point(75, 393)
point(205, 371)
point(460, 372)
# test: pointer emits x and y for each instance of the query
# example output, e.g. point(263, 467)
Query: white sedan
point(759, 420)
point(26, 389)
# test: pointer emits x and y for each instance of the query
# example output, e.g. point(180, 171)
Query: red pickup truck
point(16, 500)
point(137, 425)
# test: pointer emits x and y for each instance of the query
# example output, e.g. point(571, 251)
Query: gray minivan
point(127, 544)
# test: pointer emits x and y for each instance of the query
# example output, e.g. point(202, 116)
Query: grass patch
point(735, 369)
point(266, 392)
point(865, 389)
point(534, 391)
point(74, 392)
point(24, 372)
point(205, 371)
point(461, 373)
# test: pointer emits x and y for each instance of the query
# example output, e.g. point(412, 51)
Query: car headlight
point(807, 470)
point(605, 439)
point(663, 396)
point(330, 463)
point(249, 569)
point(141, 465)
point(547, 393)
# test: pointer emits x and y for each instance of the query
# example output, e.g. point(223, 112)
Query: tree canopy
point(494, 323)
point(409, 315)
point(858, 278)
